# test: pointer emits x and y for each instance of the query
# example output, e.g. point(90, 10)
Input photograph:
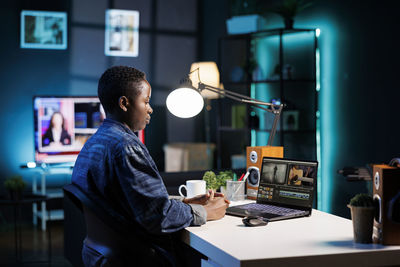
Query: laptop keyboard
point(265, 208)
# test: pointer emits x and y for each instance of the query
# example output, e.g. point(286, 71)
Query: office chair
point(108, 236)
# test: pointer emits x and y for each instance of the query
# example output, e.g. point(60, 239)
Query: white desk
point(319, 240)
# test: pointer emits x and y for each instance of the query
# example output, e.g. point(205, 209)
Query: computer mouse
point(254, 221)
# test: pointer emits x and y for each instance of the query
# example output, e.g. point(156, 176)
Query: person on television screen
point(116, 170)
point(56, 134)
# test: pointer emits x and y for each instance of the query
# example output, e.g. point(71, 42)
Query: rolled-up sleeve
point(199, 214)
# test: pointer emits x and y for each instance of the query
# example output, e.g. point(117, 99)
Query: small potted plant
point(222, 177)
point(362, 214)
point(15, 185)
point(216, 182)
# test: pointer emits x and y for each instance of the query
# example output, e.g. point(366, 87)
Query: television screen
point(62, 126)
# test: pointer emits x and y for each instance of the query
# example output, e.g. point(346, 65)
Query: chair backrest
point(110, 233)
point(74, 229)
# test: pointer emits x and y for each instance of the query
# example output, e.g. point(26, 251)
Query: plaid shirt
point(116, 169)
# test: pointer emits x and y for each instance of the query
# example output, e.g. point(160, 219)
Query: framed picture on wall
point(122, 33)
point(43, 29)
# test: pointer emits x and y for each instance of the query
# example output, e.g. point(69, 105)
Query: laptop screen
point(287, 182)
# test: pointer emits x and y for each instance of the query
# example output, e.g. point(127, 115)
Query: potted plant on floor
point(362, 215)
point(15, 186)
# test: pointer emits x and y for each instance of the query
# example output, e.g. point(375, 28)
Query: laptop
point(286, 190)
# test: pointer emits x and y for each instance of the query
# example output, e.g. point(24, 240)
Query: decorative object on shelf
point(238, 116)
point(244, 24)
point(254, 120)
point(15, 185)
point(122, 33)
point(287, 72)
point(362, 214)
point(288, 9)
point(245, 17)
point(43, 29)
point(290, 120)
point(237, 74)
point(276, 74)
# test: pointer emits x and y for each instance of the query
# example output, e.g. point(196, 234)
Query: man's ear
point(123, 103)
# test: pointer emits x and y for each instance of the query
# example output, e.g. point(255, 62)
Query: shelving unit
point(45, 214)
point(276, 64)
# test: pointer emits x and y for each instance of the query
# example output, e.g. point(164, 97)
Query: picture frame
point(43, 29)
point(122, 33)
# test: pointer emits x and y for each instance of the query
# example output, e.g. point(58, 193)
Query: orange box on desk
point(255, 154)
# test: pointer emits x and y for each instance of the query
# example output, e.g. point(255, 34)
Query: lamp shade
point(209, 74)
point(185, 102)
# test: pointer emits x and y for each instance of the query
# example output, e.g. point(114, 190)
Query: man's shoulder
point(114, 138)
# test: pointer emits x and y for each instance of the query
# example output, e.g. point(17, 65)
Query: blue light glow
point(31, 164)
point(328, 118)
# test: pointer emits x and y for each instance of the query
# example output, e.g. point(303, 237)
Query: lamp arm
point(275, 109)
point(241, 98)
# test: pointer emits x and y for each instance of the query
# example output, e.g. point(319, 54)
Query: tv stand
point(45, 170)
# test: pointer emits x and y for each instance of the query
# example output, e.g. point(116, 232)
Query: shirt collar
point(113, 123)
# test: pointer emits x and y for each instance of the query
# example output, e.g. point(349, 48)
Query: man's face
point(139, 110)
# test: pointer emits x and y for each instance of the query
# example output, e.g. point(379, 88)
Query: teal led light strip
point(318, 122)
point(253, 133)
point(318, 70)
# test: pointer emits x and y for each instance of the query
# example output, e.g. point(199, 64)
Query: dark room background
point(359, 76)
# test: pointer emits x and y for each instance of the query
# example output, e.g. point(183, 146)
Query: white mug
point(193, 188)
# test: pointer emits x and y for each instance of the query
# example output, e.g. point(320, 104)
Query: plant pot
point(15, 194)
point(222, 189)
point(362, 218)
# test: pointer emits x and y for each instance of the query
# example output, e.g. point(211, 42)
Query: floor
point(34, 245)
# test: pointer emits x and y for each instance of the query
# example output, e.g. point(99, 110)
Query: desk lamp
point(187, 100)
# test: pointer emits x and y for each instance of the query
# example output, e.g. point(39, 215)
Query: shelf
point(230, 129)
point(279, 47)
point(52, 193)
point(51, 214)
point(270, 32)
point(271, 81)
point(298, 131)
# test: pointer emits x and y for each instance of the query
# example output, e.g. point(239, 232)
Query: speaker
point(386, 192)
point(255, 155)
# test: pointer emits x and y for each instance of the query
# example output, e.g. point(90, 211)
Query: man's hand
point(216, 208)
point(203, 199)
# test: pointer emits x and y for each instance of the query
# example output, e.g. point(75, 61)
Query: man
point(116, 170)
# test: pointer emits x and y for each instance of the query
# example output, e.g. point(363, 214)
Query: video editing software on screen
point(287, 182)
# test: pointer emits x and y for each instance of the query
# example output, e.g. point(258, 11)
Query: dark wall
point(359, 91)
point(24, 73)
point(359, 88)
point(359, 94)
point(168, 43)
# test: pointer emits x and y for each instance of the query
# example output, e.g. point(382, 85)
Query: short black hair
point(115, 82)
